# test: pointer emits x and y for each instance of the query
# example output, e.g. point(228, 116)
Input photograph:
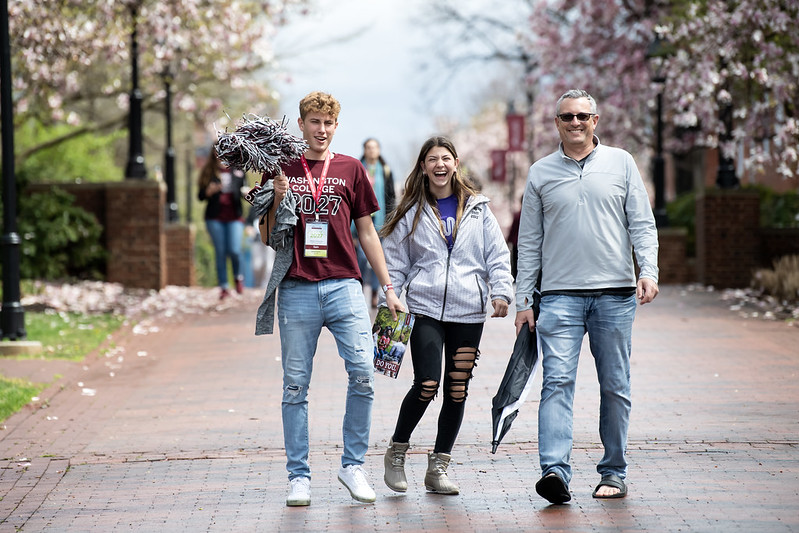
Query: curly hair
point(319, 102)
point(417, 191)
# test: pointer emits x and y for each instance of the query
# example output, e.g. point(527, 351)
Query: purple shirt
point(447, 208)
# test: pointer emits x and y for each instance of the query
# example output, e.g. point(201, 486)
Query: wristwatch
point(388, 287)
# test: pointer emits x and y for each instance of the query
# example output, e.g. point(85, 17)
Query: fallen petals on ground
point(90, 297)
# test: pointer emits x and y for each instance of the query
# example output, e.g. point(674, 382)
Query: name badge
point(316, 238)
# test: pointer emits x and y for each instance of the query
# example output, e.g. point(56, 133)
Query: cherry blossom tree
point(599, 47)
point(743, 53)
point(72, 59)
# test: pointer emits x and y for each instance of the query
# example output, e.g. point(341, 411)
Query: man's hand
point(281, 185)
point(646, 290)
point(393, 303)
point(522, 318)
point(500, 308)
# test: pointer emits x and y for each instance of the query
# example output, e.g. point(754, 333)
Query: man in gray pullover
point(585, 211)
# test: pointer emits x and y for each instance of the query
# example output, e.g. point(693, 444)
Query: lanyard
point(316, 192)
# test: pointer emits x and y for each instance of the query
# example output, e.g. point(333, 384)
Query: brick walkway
point(179, 430)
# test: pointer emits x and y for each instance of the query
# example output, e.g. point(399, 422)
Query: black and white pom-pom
point(259, 144)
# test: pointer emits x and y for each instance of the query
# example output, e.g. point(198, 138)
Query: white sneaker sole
point(355, 496)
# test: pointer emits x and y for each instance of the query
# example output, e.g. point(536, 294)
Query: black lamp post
point(135, 168)
point(188, 187)
point(169, 154)
point(12, 315)
point(725, 175)
point(656, 53)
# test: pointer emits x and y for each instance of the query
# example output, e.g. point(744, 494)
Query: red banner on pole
point(498, 167)
point(515, 133)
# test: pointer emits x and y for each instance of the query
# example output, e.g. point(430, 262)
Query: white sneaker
point(300, 492)
point(354, 478)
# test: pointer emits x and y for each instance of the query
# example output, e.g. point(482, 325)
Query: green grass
point(14, 394)
point(69, 336)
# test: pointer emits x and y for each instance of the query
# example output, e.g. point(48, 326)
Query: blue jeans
point(303, 308)
point(562, 323)
point(226, 238)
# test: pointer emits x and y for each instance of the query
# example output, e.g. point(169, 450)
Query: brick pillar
point(672, 261)
point(180, 255)
point(135, 233)
point(727, 237)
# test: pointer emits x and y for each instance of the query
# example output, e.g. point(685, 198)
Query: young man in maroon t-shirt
point(322, 288)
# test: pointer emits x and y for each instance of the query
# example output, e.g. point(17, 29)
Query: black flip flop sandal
point(552, 488)
point(611, 480)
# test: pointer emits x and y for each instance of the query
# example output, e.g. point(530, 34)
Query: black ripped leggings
point(459, 344)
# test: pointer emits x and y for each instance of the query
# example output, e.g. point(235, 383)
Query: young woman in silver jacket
point(446, 252)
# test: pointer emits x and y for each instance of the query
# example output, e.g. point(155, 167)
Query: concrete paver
point(186, 436)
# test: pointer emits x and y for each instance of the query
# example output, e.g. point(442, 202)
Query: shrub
point(682, 213)
point(777, 210)
point(782, 281)
point(59, 239)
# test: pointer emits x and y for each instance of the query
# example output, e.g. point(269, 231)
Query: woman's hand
point(212, 188)
point(500, 308)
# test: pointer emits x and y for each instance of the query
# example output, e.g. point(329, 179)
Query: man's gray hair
point(576, 93)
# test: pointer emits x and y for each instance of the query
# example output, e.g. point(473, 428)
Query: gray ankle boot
point(436, 480)
point(394, 462)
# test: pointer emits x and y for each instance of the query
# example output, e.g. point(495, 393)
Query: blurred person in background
point(382, 182)
point(220, 187)
point(262, 257)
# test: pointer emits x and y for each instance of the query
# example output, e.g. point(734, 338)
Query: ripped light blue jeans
point(303, 308)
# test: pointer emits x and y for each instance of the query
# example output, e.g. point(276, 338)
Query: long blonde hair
point(417, 191)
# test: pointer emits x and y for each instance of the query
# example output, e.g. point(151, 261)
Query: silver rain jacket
point(456, 285)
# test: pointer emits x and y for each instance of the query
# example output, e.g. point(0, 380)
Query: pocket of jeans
point(621, 298)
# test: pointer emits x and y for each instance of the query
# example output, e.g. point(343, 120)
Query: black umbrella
point(515, 384)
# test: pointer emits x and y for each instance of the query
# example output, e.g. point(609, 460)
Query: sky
point(369, 55)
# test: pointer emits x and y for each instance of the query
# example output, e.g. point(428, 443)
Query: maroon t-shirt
point(346, 195)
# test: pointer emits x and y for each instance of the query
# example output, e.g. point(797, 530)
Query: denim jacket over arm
point(282, 240)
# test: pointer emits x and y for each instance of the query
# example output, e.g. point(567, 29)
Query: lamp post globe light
point(655, 55)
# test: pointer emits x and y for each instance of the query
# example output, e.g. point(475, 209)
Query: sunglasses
point(582, 117)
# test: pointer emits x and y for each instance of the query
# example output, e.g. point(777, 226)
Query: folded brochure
point(391, 340)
